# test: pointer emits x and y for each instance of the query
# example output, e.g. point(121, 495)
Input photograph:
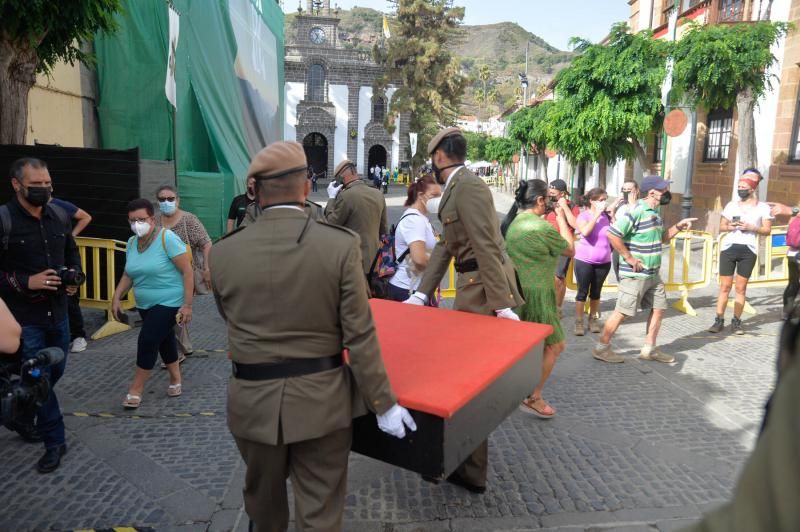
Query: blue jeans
point(49, 421)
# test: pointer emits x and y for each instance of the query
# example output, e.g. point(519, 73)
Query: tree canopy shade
point(530, 126)
point(501, 149)
point(608, 98)
point(713, 64)
point(34, 35)
point(416, 60)
point(476, 145)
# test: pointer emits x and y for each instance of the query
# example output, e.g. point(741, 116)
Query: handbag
point(793, 233)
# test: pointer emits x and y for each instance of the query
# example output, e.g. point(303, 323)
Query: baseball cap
point(558, 184)
point(653, 182)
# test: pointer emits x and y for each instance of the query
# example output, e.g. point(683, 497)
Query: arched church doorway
point(316, 148)
point(377, 156)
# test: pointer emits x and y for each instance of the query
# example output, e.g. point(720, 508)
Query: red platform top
point(438, 360)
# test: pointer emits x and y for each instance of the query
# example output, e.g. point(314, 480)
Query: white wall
point(396, 135)
point(364, 115)
point(645, 14)
point(337, 94)
point(678, 156)
point(294, 92)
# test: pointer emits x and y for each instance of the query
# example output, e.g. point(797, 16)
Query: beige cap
point(277, 160)
point(440, 136)
point(341, 167)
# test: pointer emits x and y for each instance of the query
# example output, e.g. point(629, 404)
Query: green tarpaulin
point(229, 75)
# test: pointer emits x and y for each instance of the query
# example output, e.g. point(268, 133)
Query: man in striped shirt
point(637, 237)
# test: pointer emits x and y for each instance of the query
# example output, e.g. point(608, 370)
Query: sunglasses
point(170, 198)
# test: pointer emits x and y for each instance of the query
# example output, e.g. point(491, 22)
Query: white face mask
point(601, 205)
point(432, 205)
point(140, 229)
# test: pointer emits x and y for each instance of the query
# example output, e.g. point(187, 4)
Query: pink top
point(595, 248)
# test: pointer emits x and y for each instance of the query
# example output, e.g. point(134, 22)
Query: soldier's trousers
point(318, 469)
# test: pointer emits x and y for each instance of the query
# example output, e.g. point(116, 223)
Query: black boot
point(51, 459)
point(719, 325)
point(29, 433)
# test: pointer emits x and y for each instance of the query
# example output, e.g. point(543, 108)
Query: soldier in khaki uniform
point(293, 295)
point(487, 282)
point(358, 207)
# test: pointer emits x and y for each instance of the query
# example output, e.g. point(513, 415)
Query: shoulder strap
point(5, 220)
point(163, 241)
point(402, 257)
point(60, 213)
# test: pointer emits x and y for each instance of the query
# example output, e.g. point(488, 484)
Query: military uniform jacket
point(285, 300)
point(361, 209)
point(471, 231)
point(311, 208)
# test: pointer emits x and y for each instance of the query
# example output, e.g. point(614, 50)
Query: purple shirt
point(595, 248)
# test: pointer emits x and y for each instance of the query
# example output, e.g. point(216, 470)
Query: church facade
point(331, 107)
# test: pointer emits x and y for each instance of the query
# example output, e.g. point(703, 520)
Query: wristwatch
point(795, 211)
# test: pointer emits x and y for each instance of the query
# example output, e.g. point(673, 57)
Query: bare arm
point(185, 267)
point(10, 331)
point(419, 256)
point(82, 219)
point(566, 233)
point(123, 286)
point(587, 226)
point(229, 226)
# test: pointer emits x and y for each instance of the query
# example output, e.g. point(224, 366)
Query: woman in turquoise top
point(159, 270)
point(534, 246)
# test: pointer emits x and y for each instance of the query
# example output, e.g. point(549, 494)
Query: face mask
point(432, 205)
point(744, 193)
point(437, 172)
point(666, 197)
point(140, 229)
point(37, 196)
point(601, 205)
point(167, 207)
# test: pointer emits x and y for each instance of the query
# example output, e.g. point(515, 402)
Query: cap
point(558, 184)
point(341, 167)
point(440, 136)
point(277, 160)
point(653, 182)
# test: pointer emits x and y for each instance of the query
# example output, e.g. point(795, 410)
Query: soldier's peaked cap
point(440, 136)
point(277, 160)
point(342, 166)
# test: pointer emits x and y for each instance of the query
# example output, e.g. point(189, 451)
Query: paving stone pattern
point(635, 446)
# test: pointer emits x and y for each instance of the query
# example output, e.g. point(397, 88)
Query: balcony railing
point(718, 11)
point(731, 11)
point(341, 54)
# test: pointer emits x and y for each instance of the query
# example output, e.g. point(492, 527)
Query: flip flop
point(548, 412)
point(174, 390)
point(132, 401)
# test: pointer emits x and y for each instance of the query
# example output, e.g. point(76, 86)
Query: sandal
point(132, 401)
point(545, 412)
point(174, 390)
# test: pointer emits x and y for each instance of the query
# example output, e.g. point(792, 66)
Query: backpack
point(5, 220)
point(793, 233)
point(386, 261)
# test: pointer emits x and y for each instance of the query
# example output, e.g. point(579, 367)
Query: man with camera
point(39, 268)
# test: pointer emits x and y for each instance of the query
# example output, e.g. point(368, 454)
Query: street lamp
point(523, 79)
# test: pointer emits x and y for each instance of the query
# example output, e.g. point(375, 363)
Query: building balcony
point(715, 11)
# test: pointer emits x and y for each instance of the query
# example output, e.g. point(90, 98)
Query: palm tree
point(484, 74)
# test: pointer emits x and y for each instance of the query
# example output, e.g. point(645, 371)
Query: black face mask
point(666, 197)
point(37, 196)
point(437, 172)
point(744, 193)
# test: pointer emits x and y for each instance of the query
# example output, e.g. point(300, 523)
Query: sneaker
point(606, 354)
point(594, 324)
point(656, 355)
point(579, 330)
point(78, 345)
point(719, 325)
point(736, 326)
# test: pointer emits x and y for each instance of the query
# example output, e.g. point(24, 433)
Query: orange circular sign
point(515, 158)
point(675, 123)
point(550, 153)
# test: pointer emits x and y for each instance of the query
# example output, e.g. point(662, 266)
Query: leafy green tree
point(416, 60)
point(34, 36)
point(607, 100)
point(476, 145)
point(484, 74)
point(723, 65)
point(501, 149)
point(530, 127)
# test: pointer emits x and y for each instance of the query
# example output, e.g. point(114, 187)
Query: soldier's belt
point(283, 370)
point(470, 265)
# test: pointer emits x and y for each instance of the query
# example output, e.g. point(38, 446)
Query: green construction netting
point(229, 75)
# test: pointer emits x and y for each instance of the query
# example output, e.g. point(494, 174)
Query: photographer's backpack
point(385, 263)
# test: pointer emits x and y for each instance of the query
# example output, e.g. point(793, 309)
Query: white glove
point(416, 299)
point(506, 314)
point(392, 422)
point(333, 190)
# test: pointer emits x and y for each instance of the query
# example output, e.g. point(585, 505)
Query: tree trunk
point(602, 174)
point(746, 155)
point(17, 76)
point(543, 161)
point(641, 157)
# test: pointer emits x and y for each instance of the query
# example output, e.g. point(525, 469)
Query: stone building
point(330, 104)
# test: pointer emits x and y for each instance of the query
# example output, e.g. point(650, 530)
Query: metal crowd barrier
point(99, 260)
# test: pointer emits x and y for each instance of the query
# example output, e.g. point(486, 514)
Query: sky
point(554, 21)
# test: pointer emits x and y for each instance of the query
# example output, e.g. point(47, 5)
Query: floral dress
point(534, 246)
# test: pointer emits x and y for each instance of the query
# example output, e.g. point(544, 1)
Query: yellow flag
point(386, 32)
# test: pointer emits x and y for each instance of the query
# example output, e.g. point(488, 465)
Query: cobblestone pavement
point(635, 446)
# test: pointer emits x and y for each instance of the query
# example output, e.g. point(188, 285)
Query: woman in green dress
point(534, 246)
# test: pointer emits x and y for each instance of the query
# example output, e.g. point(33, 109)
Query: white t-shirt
point(412, 227)
point(748, 214)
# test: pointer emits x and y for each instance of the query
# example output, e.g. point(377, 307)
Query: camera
point(70, 277)
point(24, 387)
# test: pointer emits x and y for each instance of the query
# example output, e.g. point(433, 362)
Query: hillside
point(499, 46)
